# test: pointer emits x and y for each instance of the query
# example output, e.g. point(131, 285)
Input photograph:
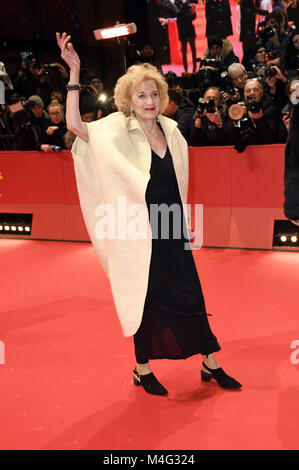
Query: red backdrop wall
point(242, 194)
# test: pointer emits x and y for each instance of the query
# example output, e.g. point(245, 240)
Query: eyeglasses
point(57, 113)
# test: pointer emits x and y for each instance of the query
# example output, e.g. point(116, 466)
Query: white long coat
point(116, 162)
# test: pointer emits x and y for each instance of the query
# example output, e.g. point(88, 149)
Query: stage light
point(115, 31)
point(118, 31)
point(285, 235)
point(102, 98)
point(15, 224)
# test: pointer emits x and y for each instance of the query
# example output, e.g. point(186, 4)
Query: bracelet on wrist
point(73, 86)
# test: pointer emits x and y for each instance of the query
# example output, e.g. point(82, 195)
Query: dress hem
point(150, 358)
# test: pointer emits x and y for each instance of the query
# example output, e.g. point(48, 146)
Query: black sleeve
point(266, 126)
point(291, 173)
point(185, 122)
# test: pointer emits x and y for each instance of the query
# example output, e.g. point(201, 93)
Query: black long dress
point(174, 323)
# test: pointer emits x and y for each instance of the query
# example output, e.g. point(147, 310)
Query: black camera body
point(252, 105)
point(172, 79)
point(270, 72)
point(266, 33)
point(211, 62)
point(202, 106)
point(246, 131)
point(227, 85)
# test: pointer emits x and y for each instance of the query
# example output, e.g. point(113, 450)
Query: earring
point(132, 115)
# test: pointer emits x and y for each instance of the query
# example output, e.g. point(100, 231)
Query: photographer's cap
point(214, 40)
point(35, 99)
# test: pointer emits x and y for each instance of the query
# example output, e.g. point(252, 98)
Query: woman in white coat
point(133, 161)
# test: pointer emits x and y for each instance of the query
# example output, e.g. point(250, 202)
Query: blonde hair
point(135, 75)
point(57, 104)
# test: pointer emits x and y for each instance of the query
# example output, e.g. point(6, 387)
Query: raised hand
point(68, 53)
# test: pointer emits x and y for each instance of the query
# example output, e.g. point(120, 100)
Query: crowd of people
point(224, 102)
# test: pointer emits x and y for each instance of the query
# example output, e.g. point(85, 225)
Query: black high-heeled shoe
point(220, 376)
point(149, 383)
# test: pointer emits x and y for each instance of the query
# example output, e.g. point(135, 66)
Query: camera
point(211, 62)
point(172, 79)
point(203, 106)
point(252, 106)
point(227, 86)
point(206, 78)
point(266, 33)
point(246, 131)
point(87, 91)
point(270, 72)
point(20, 111)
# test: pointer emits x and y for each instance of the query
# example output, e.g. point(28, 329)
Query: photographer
point(253, 121)
point(274, 36)
point(31, 124)
point(291, 56)
point(208, 74)
point(25, 82)
point(233, 83)
point(256, 60)
point(141, 53)
point(275, 80)
point(221, 49)
point(54, 135)
point(180, 109)
point(209, 124)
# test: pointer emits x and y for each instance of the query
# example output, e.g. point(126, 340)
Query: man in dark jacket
point(222, 49)
point(30, 136)
point(291, 174)
point(256, 126)
point(186, 31)
point(210, 122)
point(181, 109)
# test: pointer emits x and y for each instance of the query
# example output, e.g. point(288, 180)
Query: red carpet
point(67, 383)
point(201, 40)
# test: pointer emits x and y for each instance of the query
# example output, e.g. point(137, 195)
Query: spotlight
point(102, 98)
point(15, 224)
point(115, 31)
point(285, 236)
